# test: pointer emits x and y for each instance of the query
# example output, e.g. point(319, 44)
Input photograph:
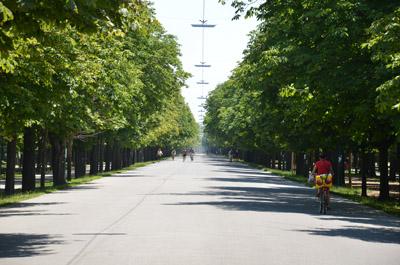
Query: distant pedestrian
point(191, 154)
point(173, 154)
point(230, 155)
point(159, 153)
point(184, 154)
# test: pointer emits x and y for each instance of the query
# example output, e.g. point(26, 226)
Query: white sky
point(223, 44)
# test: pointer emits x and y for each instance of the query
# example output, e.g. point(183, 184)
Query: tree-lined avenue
point(208, 211)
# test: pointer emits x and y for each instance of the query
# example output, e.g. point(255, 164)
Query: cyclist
point(322, 167)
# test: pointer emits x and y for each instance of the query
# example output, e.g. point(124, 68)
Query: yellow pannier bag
point(323, 181)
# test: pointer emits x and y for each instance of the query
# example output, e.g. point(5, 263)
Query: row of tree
point(99, 77)
point(316, 76)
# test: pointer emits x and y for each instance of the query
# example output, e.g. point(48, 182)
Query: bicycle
point(323, 183)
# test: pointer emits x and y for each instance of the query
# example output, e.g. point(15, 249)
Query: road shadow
point(100, 234)
point(26, 245)
point(244, 172)
point(19, 209)
point(272, 199)
point(246, 189)
point(128, 175)
point(368, 234)
point(86, 186)
point(226, 163)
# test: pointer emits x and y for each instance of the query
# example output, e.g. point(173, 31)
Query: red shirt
point(323, 166)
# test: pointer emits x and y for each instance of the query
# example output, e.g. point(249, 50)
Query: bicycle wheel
point(324, 201)
point(321, 201)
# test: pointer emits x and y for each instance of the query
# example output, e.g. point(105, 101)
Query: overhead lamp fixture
point(203, 24)
point(202, 64)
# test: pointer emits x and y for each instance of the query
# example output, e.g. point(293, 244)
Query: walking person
point(230, 155)
point(184, 154)
point(173, 154)
point(159, 154)
point(191, 154)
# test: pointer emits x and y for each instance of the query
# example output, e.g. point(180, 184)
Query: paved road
point(206, 212)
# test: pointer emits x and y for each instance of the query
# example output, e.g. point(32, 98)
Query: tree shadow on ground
point(128, 175)
point(244, 172)
point(86, 186)
point(241, 190)
point(19, 209)
point(369, 234)
point(225, 163)
point(26, 245)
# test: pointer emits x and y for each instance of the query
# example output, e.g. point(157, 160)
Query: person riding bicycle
point(322, 167)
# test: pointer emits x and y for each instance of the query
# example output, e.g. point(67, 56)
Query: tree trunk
point(135, 158)
point(280, 161)
point(101, 154)
point(124, 157)
point(80, 160)
point(334, 158)
point(273, 160)
point(364, 172)
point(350, 164)
point(2, 155)
point(114, 164)
point(10, 170)
point(394, 163)
point(300, 165)
point(69, 159)
point(398, 159)
point(130, 157)
point(339, 168)
point(141, 155)
point(293, 161)
point(108, 156)
point(309, 165)
point(20, 159)
point(120, 157)
point(371, 166)
point(398, 164)
point(94, 159)
point(42, 159)
point(288, 161)
point(356, 163)
point(145, 152)
point(127, 154)
point(383, 169)
point(28, 166)
point(58, 160)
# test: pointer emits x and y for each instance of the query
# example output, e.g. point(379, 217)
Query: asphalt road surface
point(206, 212)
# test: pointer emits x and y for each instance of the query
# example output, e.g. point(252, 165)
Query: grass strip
point(391, 206)
point(7, 200)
